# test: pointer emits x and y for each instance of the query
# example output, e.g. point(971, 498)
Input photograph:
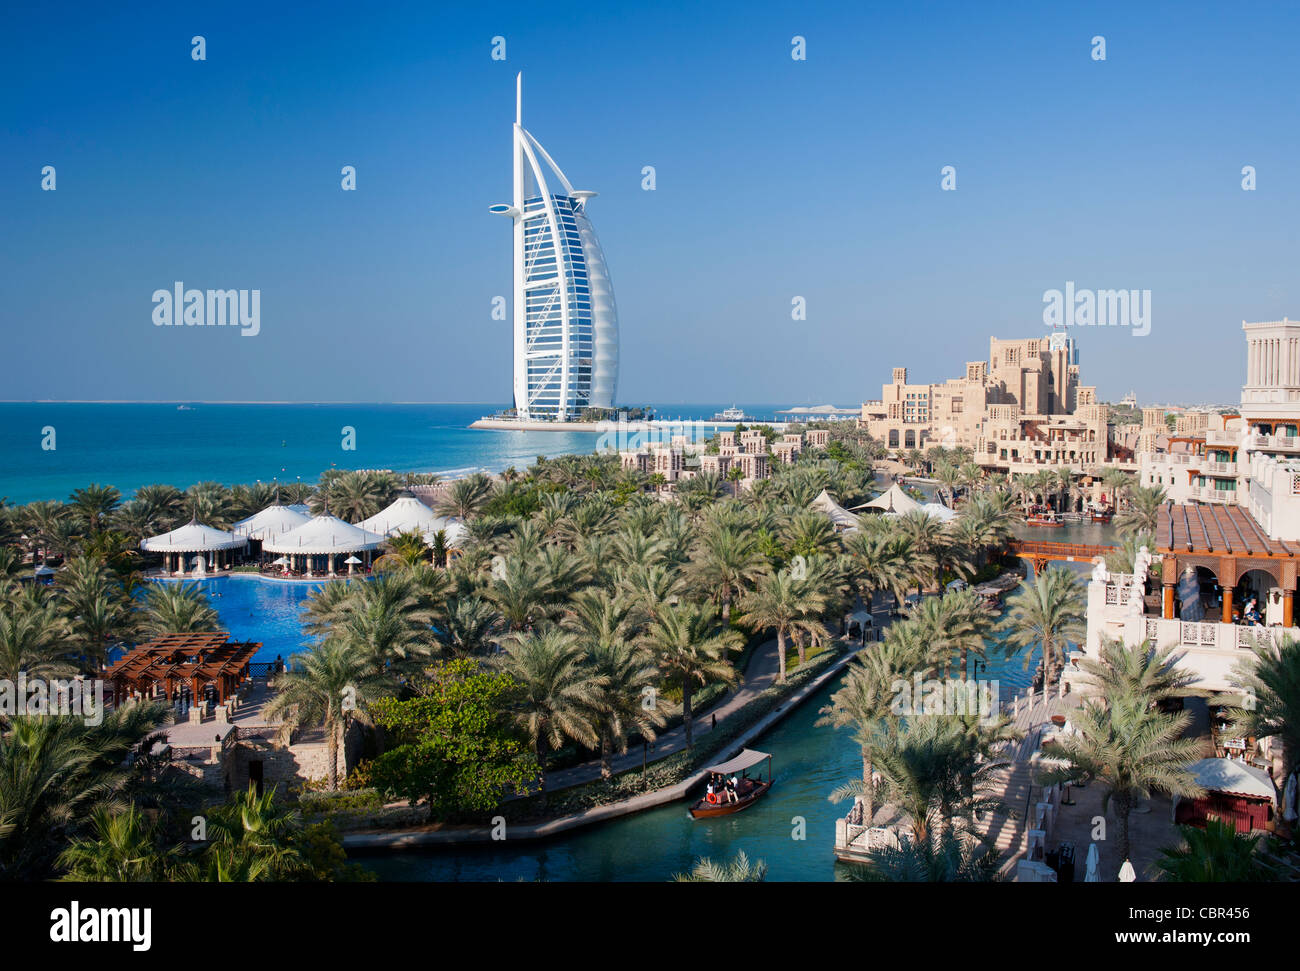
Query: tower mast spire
point(519, 98)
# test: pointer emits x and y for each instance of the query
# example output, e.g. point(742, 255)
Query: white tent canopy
point(324, 535)
point(1232, 775)
point(270, 523)
point(404, 514)
point(939, 511)
point(455, 531)
point(840, 517)
point(893, 500)
point(193, 537)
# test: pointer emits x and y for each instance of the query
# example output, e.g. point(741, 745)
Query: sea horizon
point(129, 444)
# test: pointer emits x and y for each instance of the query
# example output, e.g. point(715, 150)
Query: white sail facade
point(565, 318)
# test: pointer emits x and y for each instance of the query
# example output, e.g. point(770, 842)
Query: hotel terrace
point(1229, 542)
point(1022, 410)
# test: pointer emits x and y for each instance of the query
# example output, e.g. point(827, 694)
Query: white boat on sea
point(733, 414)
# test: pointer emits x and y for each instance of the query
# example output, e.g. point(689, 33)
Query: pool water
point(253, 609)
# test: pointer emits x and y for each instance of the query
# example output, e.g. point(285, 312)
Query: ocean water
point(130, 445)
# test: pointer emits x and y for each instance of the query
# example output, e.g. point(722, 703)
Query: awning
point(1234, 777)
point(744, 760)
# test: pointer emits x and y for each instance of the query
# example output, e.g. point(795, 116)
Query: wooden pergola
point(176, 661)
point(1227, 541)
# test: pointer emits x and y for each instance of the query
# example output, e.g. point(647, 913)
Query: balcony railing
point(1219, 468)
point(1207, 494)
point(1120, 591)
point(1207, 635)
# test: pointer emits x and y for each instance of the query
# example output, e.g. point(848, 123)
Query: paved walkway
point(760, 674)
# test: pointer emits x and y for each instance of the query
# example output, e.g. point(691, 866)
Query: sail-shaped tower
point(565, 319)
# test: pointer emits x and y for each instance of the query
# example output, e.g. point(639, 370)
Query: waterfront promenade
point(398, 839)
point(760, 674)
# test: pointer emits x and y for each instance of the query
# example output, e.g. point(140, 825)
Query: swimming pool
point(254, 609)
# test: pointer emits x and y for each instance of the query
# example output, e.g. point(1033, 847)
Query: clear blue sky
point(776, 178)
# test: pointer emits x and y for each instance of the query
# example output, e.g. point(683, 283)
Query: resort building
point(1021, 410)
point(565, 319)
point(1222, 576)
point(1247, 459)
point(749, 452)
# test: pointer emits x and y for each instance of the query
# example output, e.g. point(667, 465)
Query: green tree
point(457, 749)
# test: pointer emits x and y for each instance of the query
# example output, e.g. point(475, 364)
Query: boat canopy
point(746, 759)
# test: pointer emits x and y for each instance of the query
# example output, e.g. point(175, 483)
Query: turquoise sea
point(130, 445)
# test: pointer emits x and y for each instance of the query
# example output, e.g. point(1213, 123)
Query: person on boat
point(709, 795)
point(729, 791)
point(735, 787)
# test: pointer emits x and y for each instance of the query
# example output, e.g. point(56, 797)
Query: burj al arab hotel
point(565, 320)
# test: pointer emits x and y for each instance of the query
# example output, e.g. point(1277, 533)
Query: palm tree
point(122, 849)
point(177, 608)
point(951, 479)
point(879, 561)
point(939, 769)
point(739, 870)
point(34, 638)
point(1118, 482)
point(1271, 707)
point(53, 770)
point(409, 546)
point(354, 495)
point(942, 857)
point(558, 696)
point(628, 700)
point(954, 624)
point(1214, 854)
point(787, 605)
point(98, 611)
point(209, 503)
point(465, 497)
point(388, 622)
point(1132, 750)
point(93, 504)
point(688, 644)
point(728, 562)
point(1123, 558)
point(1141, 514)
point(1047, 614)
point(466, 627)
point(522, 591)
point(256, 835)
point(864, 701)
point(325, 686)
point(1142, 671)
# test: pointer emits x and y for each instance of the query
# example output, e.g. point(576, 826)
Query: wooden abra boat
point(1043, 519)
point(747, 791)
